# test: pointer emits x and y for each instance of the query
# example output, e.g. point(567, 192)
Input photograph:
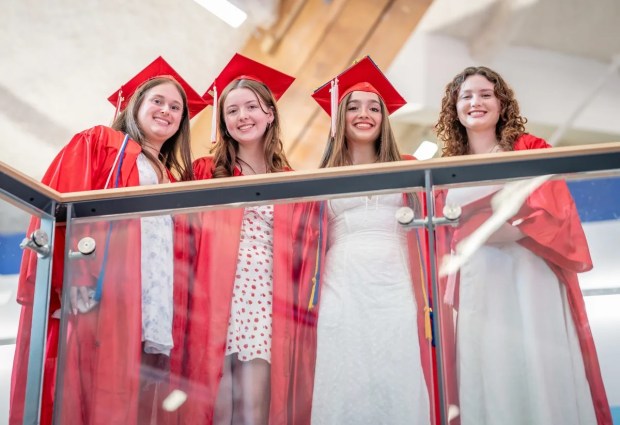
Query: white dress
point(368, 368)
point(157, 270)
point(518, 355)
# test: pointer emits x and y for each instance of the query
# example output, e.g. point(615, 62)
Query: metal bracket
point(86, 247)
point(451, 215)
point(38, 242)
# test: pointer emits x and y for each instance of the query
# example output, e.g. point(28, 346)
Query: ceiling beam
point(379, 32)
point(314, 40)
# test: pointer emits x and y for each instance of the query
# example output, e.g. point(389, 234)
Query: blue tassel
point(99, 287)
point(316, 279)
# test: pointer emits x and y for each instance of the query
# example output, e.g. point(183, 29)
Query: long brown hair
point(226, 149)
point(449, 129)
point(336, 152)
point(175, 153)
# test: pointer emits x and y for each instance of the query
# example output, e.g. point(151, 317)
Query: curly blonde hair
point(453, 134)
point(226, 149)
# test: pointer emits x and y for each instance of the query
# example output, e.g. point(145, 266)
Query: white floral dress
point(157, 267)
point(249, 326)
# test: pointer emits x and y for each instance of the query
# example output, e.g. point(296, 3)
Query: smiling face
point(477, 106)
point(246, 117)
point(363, 117)
point(160, 113)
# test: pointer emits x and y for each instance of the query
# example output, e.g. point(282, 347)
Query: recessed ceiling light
point(225, 10)
point(426, 150)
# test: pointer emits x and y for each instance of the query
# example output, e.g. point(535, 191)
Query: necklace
point(494, 149)
point(239, 161)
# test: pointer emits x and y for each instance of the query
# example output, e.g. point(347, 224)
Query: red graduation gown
point(553, 231)
point(306, 337)
point(217, 237)
point(102, 364)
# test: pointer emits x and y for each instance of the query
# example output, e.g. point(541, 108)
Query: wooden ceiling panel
point(298, 33)
point(340, 42)
point(314, 40)
point(382, 41)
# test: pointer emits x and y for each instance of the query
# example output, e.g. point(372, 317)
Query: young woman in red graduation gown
point(108, 363)
point(363, 350)
point(239, 337)
point(522, 345)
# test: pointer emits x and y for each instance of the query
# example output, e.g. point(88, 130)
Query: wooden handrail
point(313, 184)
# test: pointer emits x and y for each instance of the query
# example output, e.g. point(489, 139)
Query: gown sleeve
point(77, 167)
point(203, 168)
point(550, 220)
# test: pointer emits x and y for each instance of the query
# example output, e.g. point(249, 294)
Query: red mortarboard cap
point(364, 75)
point(241, 67)
point(158, 68)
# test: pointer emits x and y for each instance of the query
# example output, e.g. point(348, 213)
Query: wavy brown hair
point(226, 149)
point(336, 152)
point(453, 134)
point(175, 153)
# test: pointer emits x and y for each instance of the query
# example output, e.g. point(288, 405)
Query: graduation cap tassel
point(334, 104)
point(118, 104)
point(428, 311)
point(316, 279)
point(214, 116)
point(119, 159)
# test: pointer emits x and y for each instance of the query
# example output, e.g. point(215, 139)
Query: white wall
point(548, 85)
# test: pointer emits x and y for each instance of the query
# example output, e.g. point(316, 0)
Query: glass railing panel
point(17, 296)
point(106, 374)
point(599, 210)
point(528, 300)
point(291, 312)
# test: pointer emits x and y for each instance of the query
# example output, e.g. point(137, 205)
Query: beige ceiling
point(60, 60)
point(588, 29)
point(560, 56)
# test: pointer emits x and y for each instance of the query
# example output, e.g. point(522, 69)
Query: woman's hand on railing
point(82, 299)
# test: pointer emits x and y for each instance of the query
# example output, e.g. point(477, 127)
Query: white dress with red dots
point(249, 326)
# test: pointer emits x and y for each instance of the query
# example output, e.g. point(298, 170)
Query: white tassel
point(334, 104)
point(214, 116)
point(118, 104)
